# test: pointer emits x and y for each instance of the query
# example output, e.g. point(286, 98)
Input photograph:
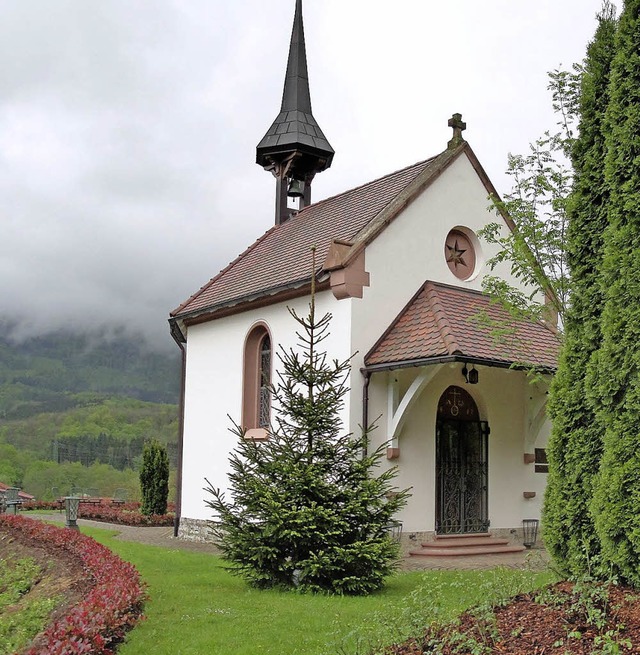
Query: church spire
point(294, 148)
point(296, 94)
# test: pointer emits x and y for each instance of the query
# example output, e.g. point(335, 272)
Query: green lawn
point(196, 607)
point(21, 617)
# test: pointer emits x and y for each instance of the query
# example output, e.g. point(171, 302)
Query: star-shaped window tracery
point(456, 255)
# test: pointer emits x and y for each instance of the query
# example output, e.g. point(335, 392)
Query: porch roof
point(445, 322)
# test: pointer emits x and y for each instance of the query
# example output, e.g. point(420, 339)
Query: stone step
point(466, 551)
point(460, 541)
point(465, 535)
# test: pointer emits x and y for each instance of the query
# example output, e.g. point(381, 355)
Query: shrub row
point(127, 514)
point(123, 514)
point(112, 606)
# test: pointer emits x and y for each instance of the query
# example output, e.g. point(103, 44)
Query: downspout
point(365, 407)
point(176, 523)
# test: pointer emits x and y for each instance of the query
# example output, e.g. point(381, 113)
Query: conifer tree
point(614, 375)
point(305, 509)
point(154, 478)
point(575, 446)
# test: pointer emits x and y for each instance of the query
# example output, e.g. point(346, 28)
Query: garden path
point(163, 537)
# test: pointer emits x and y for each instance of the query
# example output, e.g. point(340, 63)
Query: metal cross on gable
point(458, 126)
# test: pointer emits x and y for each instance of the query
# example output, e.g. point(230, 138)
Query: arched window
point(264, 401)
point(256, 395)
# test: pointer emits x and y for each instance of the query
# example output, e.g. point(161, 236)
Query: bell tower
point(294, 149)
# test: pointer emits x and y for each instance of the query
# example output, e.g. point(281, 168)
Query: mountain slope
point(45, 373)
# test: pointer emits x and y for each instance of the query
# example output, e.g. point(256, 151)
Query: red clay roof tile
point(443, 321)
point(282, 256)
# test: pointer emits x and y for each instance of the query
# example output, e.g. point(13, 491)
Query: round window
point(459, 254)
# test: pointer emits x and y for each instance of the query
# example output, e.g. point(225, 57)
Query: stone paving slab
point(536, 559)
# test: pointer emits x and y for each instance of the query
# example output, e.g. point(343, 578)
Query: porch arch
point(399, 409)
point(462, 464)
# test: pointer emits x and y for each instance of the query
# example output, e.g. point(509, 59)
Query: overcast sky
point(128, 128)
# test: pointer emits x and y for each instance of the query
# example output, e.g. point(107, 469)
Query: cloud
point(128, 130)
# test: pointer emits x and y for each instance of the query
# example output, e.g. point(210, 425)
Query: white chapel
point(400, 268)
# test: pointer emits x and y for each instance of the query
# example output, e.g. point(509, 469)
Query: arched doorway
point(461, 465)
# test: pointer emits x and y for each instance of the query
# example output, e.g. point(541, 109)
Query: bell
point(296, 189)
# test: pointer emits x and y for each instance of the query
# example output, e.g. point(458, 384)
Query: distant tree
point(154, 478)
point(575, 446)
point(305, 509)
point(614, 379)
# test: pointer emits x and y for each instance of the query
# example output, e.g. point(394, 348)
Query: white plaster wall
point(411, 250)
point(214, 386)
point(536, 437)
point(501, 396)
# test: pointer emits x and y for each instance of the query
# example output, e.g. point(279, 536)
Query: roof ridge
point(366, 184)
point(228, 267)
point(446, 331)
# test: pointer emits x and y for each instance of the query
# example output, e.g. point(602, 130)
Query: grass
point(198, 607)
point(21, 617)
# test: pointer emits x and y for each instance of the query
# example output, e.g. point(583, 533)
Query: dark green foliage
point(154, 478)
point(305, 510)
point(615, 371)
point(575, 446)
point(42, 374)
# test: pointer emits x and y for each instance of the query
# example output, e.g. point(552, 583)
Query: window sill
point(256, 434)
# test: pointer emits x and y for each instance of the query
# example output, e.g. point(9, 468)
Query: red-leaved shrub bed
point(122, 514)
point(112, 606)
point(126, 514)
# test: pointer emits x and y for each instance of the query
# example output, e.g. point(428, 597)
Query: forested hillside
point(76, 410)
point(43, 374)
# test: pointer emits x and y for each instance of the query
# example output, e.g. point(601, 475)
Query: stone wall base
point(195, 530)
point(199, 530)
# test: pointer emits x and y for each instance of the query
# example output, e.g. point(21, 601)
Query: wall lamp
point(470, 376)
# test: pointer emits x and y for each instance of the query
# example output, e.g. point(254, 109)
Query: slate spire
point(296, 94)
point(294, 148)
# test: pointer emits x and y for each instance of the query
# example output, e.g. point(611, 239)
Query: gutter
point(239, 304)
point(446, 359)
point(365, 408)
point(176, 523)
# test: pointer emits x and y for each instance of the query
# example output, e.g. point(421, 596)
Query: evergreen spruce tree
point(575, 446)
point(305, 510)
point(614, 376)
point(154, 478)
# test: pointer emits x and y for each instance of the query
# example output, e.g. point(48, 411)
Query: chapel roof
point(281, 258)
point(445, 322)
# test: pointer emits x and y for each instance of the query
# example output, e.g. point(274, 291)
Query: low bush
point(112, 606)
point(121, 514)
point(127, 514)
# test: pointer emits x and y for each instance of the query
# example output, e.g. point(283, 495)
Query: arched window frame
point(256, 400)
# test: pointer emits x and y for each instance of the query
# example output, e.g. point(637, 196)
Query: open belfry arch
point(400, 267)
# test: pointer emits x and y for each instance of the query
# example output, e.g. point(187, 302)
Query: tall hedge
point(154, 478)
point(575, 446)
point(615, 371)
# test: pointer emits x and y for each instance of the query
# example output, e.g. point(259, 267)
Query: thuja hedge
point(123, 514)
point(112, 606)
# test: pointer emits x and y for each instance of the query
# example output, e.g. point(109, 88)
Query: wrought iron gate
point(461, 476)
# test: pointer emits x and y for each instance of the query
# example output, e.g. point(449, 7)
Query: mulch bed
point(561, 620)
